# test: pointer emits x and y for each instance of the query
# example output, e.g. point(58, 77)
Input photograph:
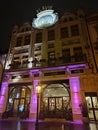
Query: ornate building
point(1, 68)
point(2, 64)
point(63, 58)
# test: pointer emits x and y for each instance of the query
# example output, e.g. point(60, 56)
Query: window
point(51, 35)
point(76, 71)
point(25, 57)
point(51, 45)
point(21, 51)
point(39, 37)
point(65, 20)
point(51, 58)
point(64, 32)
point(66, 52)
point(38, 48)
point(78, 55)
point(96, 45)
point(16, 58)
point(96, 28)
point(19, 41)
point(75, 30)
point(54, 73)
point(66, 55)
point(27, 40)
point(77, 50)
point(51, 55)
point(70, 19)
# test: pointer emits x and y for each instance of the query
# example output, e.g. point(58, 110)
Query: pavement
point(9, 124)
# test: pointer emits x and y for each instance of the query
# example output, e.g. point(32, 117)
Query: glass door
point(55, 101)
point(55, 106)
point(15, 107)
point(92, 104)
point(18, 101)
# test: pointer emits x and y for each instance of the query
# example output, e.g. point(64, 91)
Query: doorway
point(92, 105)
point(18, 101)
point(54, 107)
point(56, 101)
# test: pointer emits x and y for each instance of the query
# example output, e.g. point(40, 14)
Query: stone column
point(33, 105)
point(3, 97)
point(75, 98)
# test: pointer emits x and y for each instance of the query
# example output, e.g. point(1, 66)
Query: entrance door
point(55, 101)
point(15, 107)
point(55, 108)
point(92, 104)
point(18, 106)
point(18, 101)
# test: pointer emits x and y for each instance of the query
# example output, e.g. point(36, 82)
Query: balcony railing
point(43, 63)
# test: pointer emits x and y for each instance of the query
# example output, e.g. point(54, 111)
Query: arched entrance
point(56, 101)
point(18, 101)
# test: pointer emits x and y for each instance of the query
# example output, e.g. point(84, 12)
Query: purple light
point(76, 66)
point(3, 88)
point(76, 98)
point(2, 99)
point(34, 97)
point(75, 85)
point(55, 68)
point(3, 95)
point(23, 71)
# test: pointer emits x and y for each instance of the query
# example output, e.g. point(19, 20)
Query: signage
point(45, 18)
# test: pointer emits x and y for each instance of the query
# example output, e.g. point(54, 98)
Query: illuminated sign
point(45, 18)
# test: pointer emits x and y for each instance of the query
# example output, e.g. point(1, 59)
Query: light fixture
point(38, 91)
point(45, 18)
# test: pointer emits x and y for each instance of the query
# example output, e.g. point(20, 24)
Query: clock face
point(45, 19)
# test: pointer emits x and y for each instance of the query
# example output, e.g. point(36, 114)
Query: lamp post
point(38, 90)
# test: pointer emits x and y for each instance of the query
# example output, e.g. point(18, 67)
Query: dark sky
point(16, 12)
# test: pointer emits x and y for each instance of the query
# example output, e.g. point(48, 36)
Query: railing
point(51, 62)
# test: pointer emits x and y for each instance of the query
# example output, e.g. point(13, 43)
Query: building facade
point(1, 68)
point(63, 58)
point(2, 64)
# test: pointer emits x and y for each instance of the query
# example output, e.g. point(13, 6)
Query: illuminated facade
point(59, 57)
point(1, 68)
point(2, 63)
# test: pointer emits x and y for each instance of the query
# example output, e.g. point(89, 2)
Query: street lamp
point(38, 90)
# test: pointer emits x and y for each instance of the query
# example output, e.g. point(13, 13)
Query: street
point(30, 125)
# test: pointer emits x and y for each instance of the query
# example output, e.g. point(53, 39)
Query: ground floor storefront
point(73, 98)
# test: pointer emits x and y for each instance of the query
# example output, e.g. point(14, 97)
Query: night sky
point(16, 12)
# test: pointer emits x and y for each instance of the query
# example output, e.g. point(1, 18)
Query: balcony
point(43, 63)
